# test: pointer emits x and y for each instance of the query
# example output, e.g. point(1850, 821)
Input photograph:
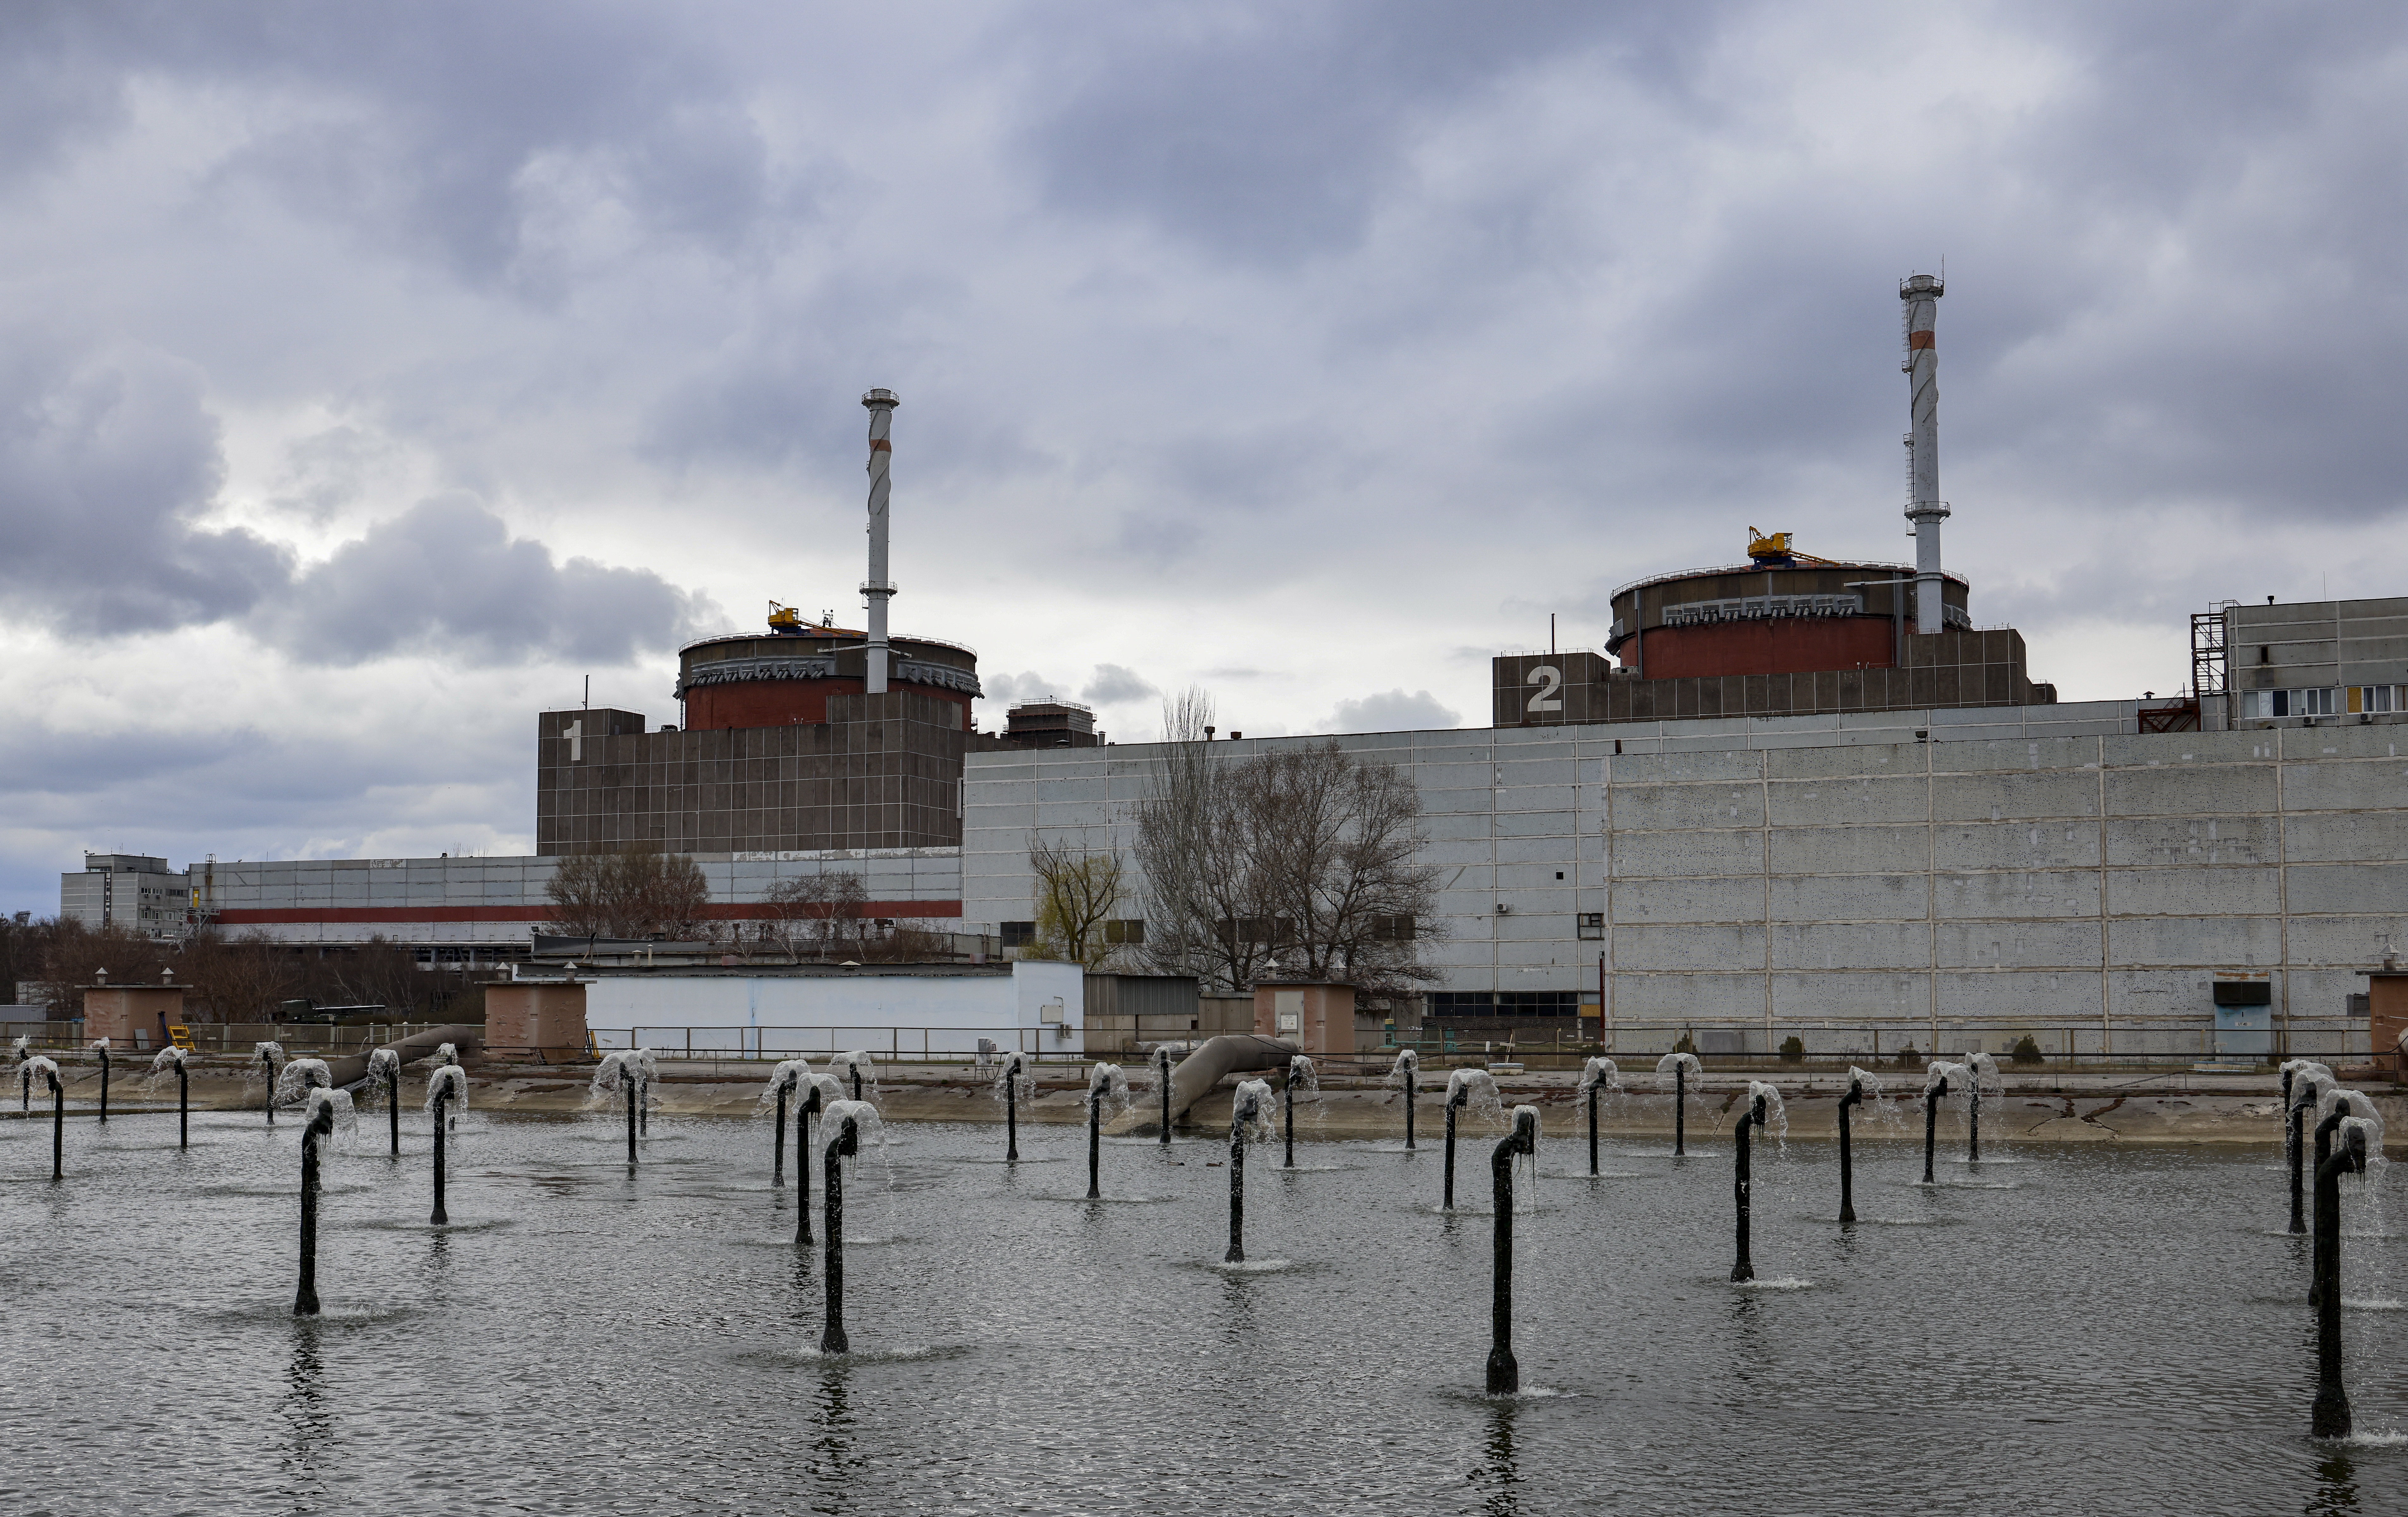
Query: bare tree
point(634, 892)
point(1299, 858)
point(819, 914)
point(1077, 893)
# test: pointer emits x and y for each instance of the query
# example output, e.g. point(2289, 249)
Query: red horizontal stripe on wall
point(241, 917)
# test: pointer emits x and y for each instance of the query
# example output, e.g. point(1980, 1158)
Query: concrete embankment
point(2182, 1108)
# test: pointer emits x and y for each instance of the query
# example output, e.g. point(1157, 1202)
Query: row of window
point(1253, 932)
point(1504, 1003)
point(2326, 701)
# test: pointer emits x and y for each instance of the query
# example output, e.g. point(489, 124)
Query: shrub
point(2028, 1051)
point(1792, 1050)
point(1908, 1058)
point(1689, 1044)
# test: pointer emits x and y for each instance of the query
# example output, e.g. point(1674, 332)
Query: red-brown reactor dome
point(786, 675)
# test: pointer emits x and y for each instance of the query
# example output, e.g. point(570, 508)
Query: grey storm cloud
point(1113, 685)
point(447, 576)
point(107, 459)
point(1391, 710)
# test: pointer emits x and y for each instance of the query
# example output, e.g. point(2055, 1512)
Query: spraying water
point(447, 1095)
point(628, 1070)
point(271, 1059)
point(842, 1127)
point(1862, 1085)
point(820, 1091)
point(1763, 1103)
point(2304, 1082)
point(317, 1120)
point(172, 1057)
point(1504, 1375)
point(1674, 1072)
point(384, 1074)
point(1599, 1077)
point(296, 1079)
point(1299, 1072)
point(2356, 1137)
point(1405, 1074)
point(1250, 1121)
point(784, 1082)
point(1014, 1084)
point(856, 1069)
point(1937, 1081)
point(1475, 1090)
point(40, 1067)
point(1161, 1065)
point(1107, 1086)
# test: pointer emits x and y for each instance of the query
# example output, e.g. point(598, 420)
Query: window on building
point(1507, 1003)
point(1592, 926)
point(1392, 929)
point(2317, 702)
point(2374, 701)
point(1258, 932)
point(1129, 931)
point(1019, 934)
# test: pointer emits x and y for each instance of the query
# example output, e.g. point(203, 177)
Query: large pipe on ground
point(1230, 1054)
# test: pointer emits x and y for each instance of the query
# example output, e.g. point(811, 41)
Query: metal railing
point(2135, 1042)
point(893, 1045)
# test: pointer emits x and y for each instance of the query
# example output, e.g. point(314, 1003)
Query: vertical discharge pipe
point(1933, 1094)
point(880, 589)
point(1847, 1167)
point(315, 1135)
point(846, 1144)
point(1742, 1183)
point(1504, 1370)
point(2330, 1417)
point(1923, 507)
point(103, 1082)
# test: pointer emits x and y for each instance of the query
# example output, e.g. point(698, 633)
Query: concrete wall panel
point(1849, 998)
point(2193, 892)
point(2020, 997)
point(1721, 764)
point(1848, 897)
point(2345, 787)
point(1807, 803)
point(2332, 837)
point(1738, 899)
point(1888, 760)
point(2221, 942)
point(2009, 798)
point(1852, 945)
point(2018, 945)
point(1681, 997)
point(1849, 850)
point(2190, 792)
point(2072, 893)
point(1722, 946)
point(1687, 852)
point(2016, 845)
point(2192, 841)
point(1645, 806)
point(2348, 887)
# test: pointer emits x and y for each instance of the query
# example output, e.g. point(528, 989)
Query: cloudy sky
point(370, 375)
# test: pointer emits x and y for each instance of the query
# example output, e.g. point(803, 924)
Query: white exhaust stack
point(1924, 507)
point(880, 589)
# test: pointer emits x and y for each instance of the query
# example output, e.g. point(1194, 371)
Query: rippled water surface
point(2063, 1331)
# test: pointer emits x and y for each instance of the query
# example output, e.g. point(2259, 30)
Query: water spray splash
point(1599, 1077)
point(784, 1081)
point(1674, 1072)
point(629, 1070)
point(271, 1060)
point(842, 1128)
point(384, 1074)
point(1405, 1074)
point(296, 1079)
point(1467, 1089)
point(38, 1066)
point(447, 1095)
point(1299, 1072)
point(856, 1070)
point(1106, 1087)
point(1250, 1121)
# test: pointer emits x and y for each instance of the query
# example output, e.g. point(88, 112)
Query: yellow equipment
point(181, 1037)
point(1760, 545)
point(784, 618)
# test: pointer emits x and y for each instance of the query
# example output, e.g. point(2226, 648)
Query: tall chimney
point(880, 589)
point(1924, 507)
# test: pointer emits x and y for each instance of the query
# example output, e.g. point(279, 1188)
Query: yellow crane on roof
point(1773, 549)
